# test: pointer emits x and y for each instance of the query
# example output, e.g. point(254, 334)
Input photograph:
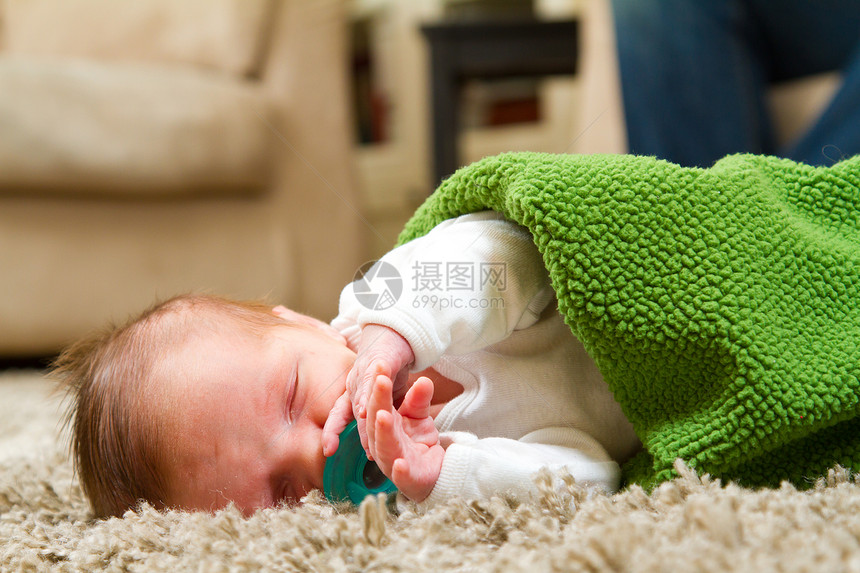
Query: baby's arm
point(409, 450)
point(420, 328)
point(479, 468)
point(404, 442)
point(505, 287)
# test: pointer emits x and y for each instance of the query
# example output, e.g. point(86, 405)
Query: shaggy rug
point(690, 524)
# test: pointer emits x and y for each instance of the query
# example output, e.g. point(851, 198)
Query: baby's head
point(201, 401)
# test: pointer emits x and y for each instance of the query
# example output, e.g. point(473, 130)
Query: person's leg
point(812, 36)
point(692, 79)
point(805, 37)
point(836, 133)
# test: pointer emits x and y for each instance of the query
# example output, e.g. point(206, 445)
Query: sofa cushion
point(223, 34)
point(76, 125)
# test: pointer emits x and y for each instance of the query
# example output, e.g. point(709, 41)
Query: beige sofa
point(162, 146)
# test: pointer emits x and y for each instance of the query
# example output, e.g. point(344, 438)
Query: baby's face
point(248, 414)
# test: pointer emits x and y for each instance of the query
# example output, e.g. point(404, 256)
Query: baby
point(450, 354)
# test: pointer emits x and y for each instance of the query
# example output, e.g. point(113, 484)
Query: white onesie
point(476, 305)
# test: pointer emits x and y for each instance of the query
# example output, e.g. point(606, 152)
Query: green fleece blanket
point(722, 305)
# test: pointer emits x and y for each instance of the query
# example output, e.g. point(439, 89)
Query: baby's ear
point(303, 319)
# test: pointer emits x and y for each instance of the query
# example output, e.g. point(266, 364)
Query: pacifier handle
point(348, 474)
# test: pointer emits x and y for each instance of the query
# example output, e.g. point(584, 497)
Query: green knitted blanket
point(722, 305)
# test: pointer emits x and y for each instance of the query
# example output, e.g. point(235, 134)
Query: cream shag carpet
point(690, 524)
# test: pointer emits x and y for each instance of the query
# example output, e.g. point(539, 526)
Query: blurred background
point(266, 148)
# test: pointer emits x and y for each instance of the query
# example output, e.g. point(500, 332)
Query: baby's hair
point(117, 441)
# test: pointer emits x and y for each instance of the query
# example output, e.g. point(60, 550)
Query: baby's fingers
point(364, 389)
point(387, 446)
point(416, 403)
point(381, 402)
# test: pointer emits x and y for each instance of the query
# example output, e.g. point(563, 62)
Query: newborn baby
point(203, 401)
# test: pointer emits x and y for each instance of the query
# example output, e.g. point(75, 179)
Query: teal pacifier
point(348, 474)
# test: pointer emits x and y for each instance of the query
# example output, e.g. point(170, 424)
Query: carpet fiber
point(688, 524)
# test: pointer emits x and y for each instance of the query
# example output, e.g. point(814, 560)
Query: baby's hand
point(404, 442)
point(382, 351)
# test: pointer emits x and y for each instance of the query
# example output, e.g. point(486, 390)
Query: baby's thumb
point(338, 418)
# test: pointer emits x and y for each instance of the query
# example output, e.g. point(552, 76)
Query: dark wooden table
point(462, 51)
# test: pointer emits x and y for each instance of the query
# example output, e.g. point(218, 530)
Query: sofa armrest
point(2, 27)
point(306, 76)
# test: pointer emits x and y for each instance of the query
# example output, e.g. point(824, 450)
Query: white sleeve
point(467, 284)
point(480, 468)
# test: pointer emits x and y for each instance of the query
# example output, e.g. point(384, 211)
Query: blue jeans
point(694, 75)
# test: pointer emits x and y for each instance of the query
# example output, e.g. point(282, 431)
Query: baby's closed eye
point(290, 401)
